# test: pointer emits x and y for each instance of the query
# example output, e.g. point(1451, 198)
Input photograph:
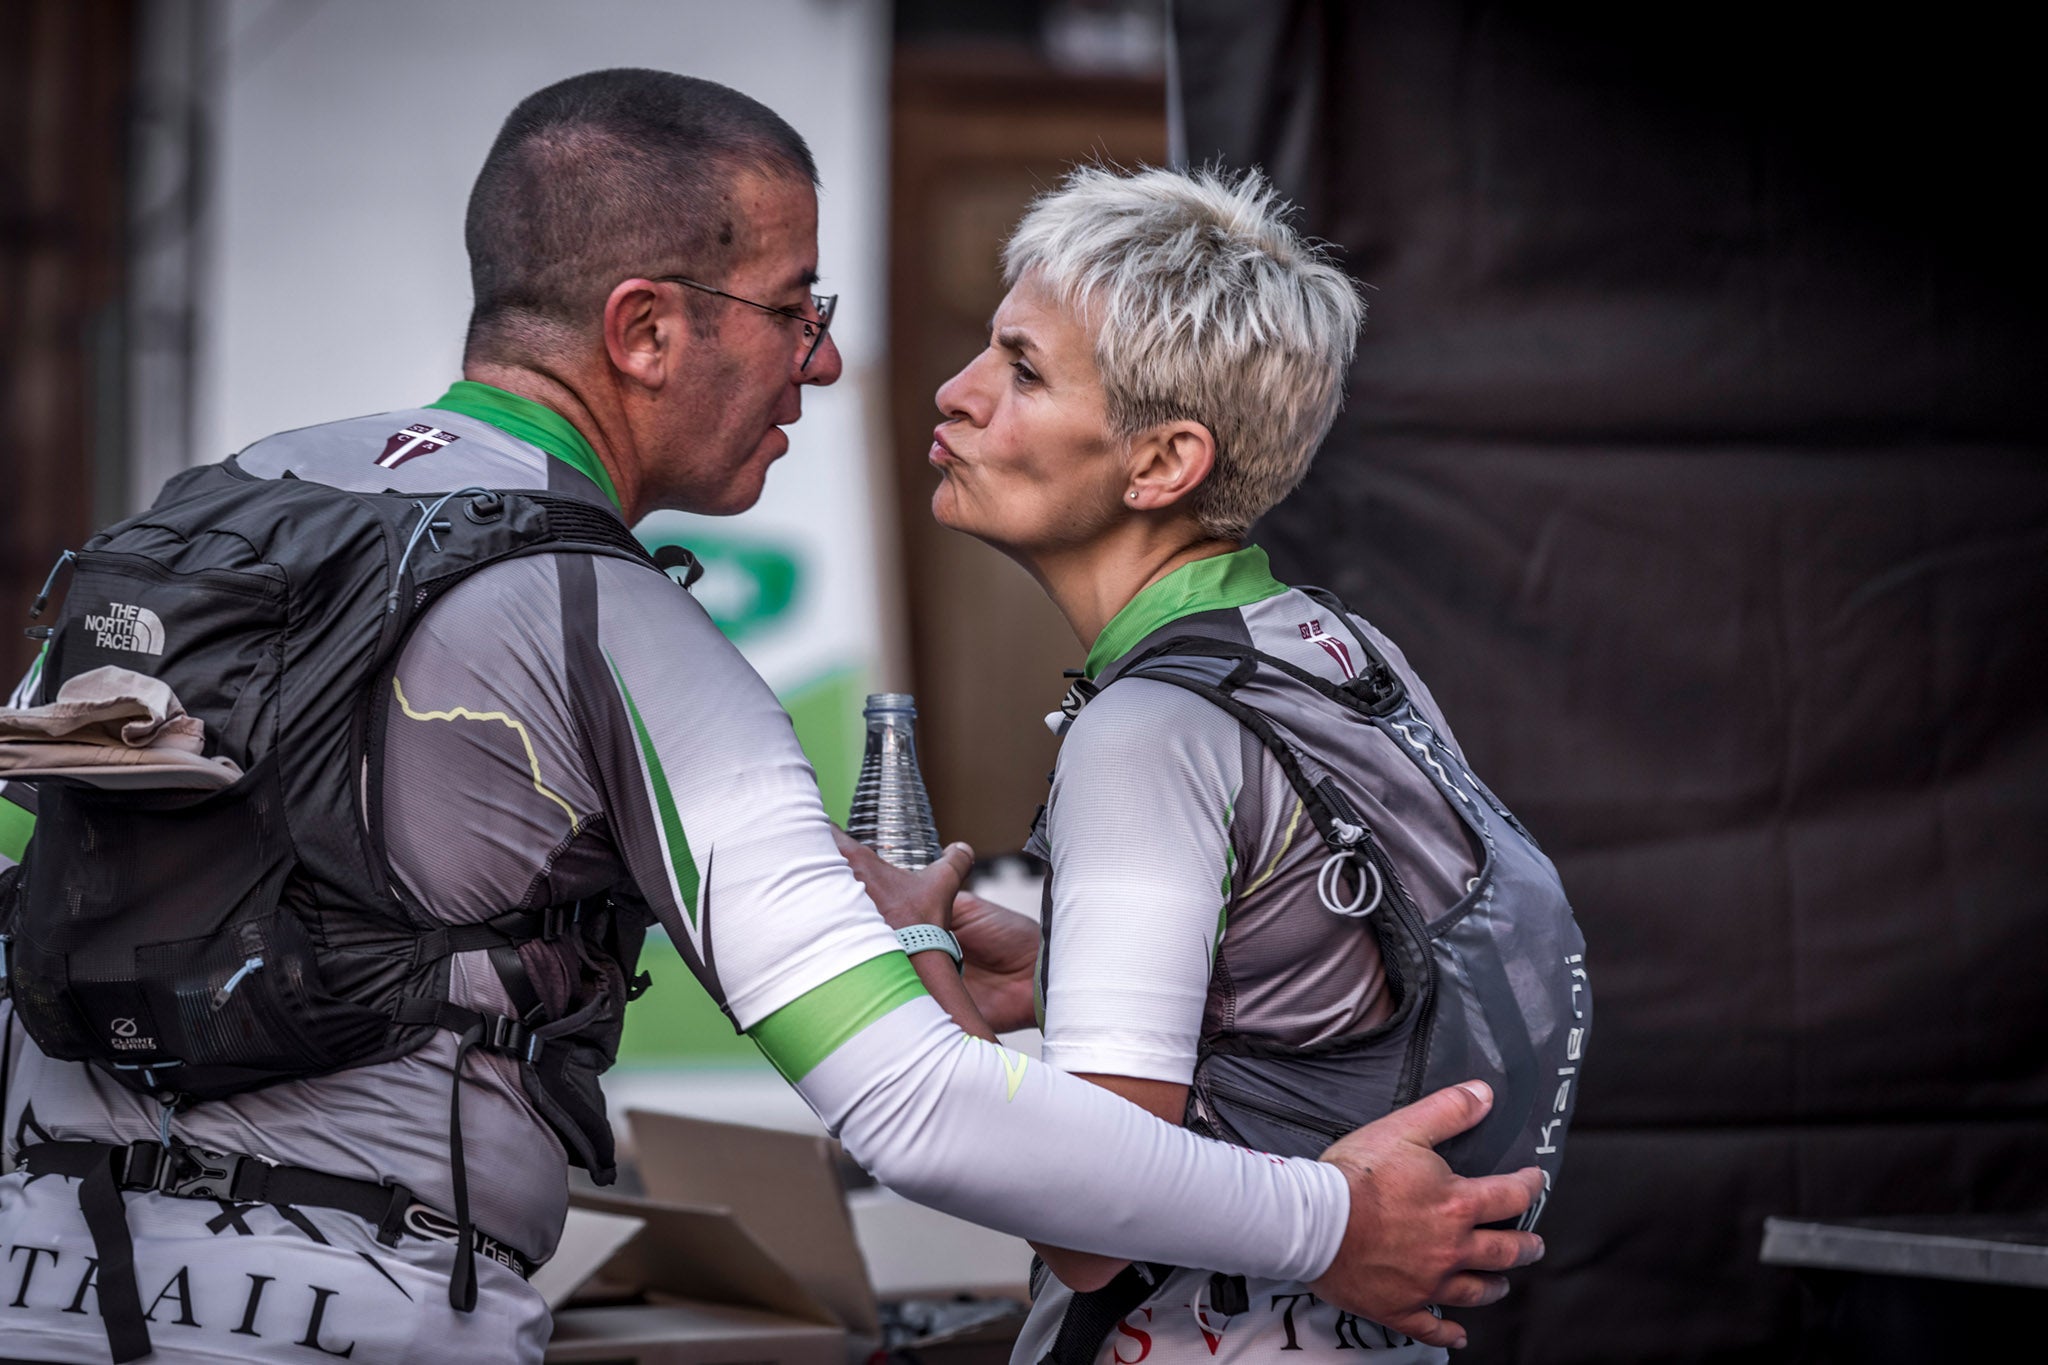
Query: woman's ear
point(1168, 463)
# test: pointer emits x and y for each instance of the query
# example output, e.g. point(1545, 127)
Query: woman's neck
point(1090, 584)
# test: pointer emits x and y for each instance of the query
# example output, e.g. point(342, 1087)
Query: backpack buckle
point(512, 1036)
point(557, 920)
point(197, 1173)
point(144, 1165)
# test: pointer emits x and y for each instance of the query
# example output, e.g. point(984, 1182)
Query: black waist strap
point(189, 1172)
point(109, 1169)
point(1092, 1315)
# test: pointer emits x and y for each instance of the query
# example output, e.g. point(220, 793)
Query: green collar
point(1221, 581)
point(530, 422)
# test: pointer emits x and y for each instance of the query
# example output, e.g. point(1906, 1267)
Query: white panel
point(347, 138)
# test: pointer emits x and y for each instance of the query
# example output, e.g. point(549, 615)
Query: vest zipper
point(229, 580)
point(1417, 1060)
point(1273, 1109)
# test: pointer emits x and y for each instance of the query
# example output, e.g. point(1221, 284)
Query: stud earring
point(1132, 495)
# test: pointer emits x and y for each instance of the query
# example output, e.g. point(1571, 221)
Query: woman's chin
point(946, 510)
point(949, 511)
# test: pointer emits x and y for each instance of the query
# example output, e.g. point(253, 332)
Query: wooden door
point(974, 139)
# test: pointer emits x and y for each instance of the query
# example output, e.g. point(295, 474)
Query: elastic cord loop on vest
point(1201, 1311)
point(50, 583)
point(426, 528)
point(1328, 882)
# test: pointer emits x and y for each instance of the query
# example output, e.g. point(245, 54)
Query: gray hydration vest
point(1494, 988)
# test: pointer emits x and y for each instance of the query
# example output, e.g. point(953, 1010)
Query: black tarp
point(1693, 453)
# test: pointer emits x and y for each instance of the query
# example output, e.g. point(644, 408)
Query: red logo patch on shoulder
point(416, 440)
point(1312, 631)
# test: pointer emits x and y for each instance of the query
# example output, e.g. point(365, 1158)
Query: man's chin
point(736, 496)
point(742, 496)
point(751, 479)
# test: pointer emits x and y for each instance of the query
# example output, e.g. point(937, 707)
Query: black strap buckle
point(198, 1173)
point(503, 1033)
point(1229, 1295)
point(557, 920)
point(143, 1166)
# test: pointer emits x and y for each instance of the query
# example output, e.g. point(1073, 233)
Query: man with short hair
point(571, 729)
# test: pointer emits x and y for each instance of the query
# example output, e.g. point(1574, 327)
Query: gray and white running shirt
point(1184, 905)
point(515, 779)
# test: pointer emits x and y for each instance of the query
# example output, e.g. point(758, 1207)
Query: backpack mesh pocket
point(246, 1006)
point(131, 958)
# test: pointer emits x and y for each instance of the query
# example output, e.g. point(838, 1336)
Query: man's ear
point(1168, 463)
point(644, 332)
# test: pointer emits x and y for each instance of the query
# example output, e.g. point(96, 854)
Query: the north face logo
point(122, 626)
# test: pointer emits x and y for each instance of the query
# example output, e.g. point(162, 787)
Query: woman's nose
point(958, 396)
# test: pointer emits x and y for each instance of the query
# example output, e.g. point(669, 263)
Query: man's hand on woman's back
point(1417, 1235)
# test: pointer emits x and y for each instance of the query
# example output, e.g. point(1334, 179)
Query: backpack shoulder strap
point(1216, 671)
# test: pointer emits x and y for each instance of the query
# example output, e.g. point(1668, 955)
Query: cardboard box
point(691, 1334)
point(744, 1248)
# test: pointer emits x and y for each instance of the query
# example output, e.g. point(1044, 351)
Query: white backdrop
point(346, 137)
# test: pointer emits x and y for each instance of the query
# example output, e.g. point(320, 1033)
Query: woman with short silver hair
point(1168, 357)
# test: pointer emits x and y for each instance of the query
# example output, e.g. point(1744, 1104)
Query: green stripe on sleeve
point(17, 824)
point(813, 1026)
point(682, 866)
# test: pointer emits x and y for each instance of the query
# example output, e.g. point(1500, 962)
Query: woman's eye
point(1024, 373)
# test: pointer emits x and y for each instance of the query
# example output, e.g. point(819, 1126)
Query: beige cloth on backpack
point(111, 727)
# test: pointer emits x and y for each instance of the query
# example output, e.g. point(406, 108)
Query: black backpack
point(196, 946)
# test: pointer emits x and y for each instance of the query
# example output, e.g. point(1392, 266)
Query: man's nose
point(826, 364)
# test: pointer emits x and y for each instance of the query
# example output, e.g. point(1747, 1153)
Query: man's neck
point(598, 421)
point(1090, 584)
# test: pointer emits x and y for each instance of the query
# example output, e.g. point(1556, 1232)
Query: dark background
point(64, 108)
point(1693, 454)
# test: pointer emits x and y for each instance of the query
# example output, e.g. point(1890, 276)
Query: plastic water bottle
point(892, 813)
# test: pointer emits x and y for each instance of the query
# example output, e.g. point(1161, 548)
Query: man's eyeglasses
point(814, 327)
